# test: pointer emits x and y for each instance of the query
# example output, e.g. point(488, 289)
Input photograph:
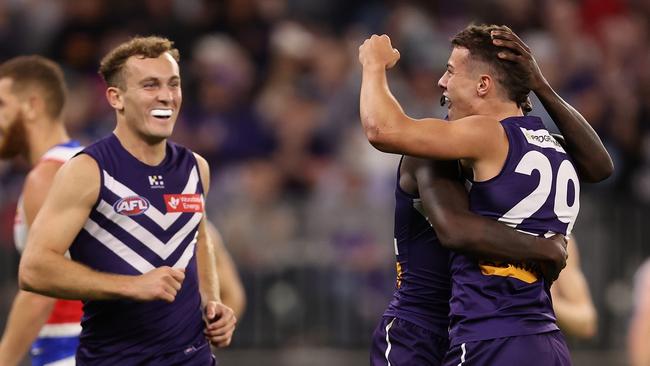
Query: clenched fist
point(162, 283)
point(378, 51)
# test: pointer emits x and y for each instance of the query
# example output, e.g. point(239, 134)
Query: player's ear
point(484, 85)
point(30, 106)
point(115, 98)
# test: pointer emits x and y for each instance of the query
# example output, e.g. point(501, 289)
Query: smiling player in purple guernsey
point(130, 210)
point(520, 176)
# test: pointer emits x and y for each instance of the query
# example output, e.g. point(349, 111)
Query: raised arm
point(44, 268)
point(389, 129)
point(583, 144)
point(445, 202)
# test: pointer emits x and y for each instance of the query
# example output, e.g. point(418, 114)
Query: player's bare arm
point(208, 277)
point(389, 129)
point(29, 311)
point(583, 144)
point(220, 319)
point(230, 285)
point(575, 311)
point(44, 269)
point(446, 203)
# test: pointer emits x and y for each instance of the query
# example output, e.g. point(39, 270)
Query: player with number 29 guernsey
point(536, 192)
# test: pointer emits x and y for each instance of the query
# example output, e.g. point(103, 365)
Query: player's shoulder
point(204, 168)
point(42, 175)
point(200, 160)
point(82, 166)
point(79, 180)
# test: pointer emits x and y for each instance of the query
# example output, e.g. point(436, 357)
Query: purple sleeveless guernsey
point(423, 284)
point(536, 192)
point(145, 217)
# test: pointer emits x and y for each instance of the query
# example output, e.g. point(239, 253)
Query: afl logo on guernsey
point(131, 206)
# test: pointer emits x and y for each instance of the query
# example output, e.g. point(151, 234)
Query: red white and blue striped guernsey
point(58, 339)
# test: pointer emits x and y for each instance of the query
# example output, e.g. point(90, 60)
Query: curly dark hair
point(112, 65)
point(513, 78)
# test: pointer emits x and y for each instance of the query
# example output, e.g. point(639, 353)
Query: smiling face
point(151, 98)
point(459, 84)
point(13, 137)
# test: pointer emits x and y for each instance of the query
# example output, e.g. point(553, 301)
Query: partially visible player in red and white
point(32, 97)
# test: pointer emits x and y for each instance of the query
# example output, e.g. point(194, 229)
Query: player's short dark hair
point(112, 65)
point(477, 39)
point(37, 72)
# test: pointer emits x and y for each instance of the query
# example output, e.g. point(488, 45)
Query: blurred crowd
point(271, 100)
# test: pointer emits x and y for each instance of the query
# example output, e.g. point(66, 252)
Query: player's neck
point(501, 109)
point(42, 137)
point(150, 153)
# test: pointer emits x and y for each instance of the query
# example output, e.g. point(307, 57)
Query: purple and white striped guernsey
point(536, 192)
point(145, 217)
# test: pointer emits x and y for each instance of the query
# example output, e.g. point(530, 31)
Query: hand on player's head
point(377, 50)
point(220, 323)
point(515, 50)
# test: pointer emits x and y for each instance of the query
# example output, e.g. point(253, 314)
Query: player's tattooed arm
point(446, 205)
point(583, 144)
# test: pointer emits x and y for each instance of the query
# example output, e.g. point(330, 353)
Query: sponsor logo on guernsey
point(156, 181)
point(184, 202)
point(542, 138)
point(131, 206)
